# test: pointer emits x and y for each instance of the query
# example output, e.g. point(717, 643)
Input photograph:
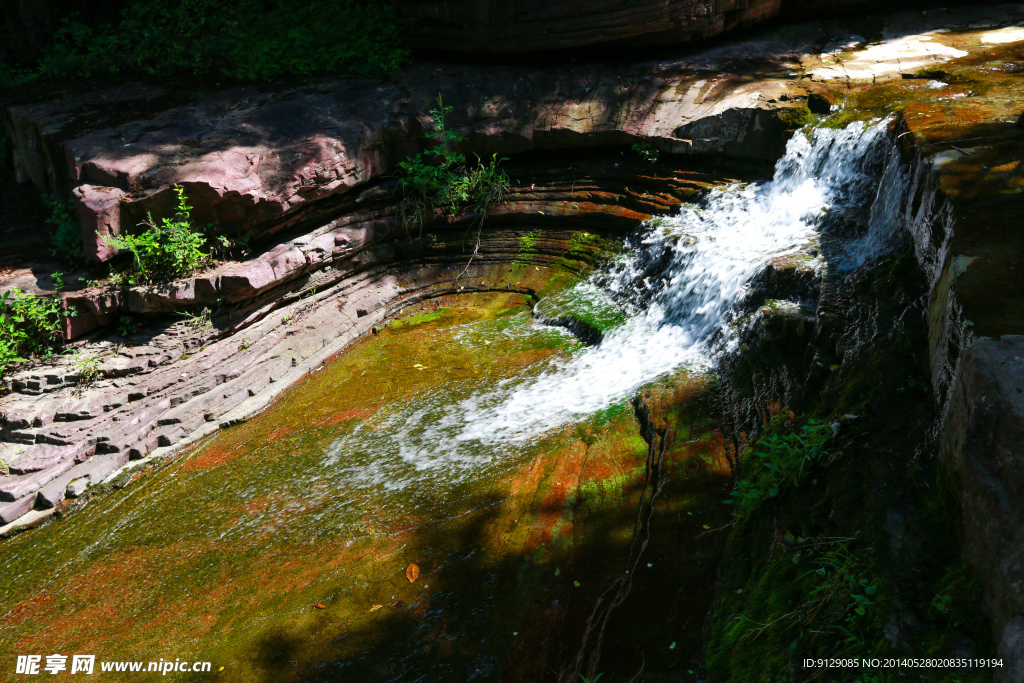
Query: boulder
point(1011, 651)
point(99, 212)
point(983, 450)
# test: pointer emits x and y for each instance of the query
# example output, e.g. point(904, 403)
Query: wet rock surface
point(512, 552)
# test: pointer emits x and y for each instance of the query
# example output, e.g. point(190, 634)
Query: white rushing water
point(678, 287)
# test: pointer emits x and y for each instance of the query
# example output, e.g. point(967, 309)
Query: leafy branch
point(782, 461)
point(439, 181)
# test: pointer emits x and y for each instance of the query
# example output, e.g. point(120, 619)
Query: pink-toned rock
point(99, 211)
point(12, 511)
point(94, 308)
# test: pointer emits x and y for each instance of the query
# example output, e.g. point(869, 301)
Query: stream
point(497, 453)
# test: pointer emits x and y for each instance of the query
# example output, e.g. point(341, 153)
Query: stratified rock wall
point(494, 26)
point(497, 27)
point(261, 162)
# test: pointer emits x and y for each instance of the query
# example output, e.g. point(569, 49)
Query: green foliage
point(829, 608)
point(166, 250)
point(647, 151)
point(940, 603)
point(202, 320)
point(128, 325)
point(58, 281)
point(439, 179)
point(253, 40)
point(780, 461)
point(67, 238)
point(224, 247)
point(88, 371)
point(29, 326)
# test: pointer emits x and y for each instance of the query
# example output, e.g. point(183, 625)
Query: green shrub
point(168, 249)
point(128, 325)
point(646, 150)
point(67, 239)
point(248, 40)
point(829, 607)
point(439, 179)
point(780, 461)
point(89, 370)
point(29, 326)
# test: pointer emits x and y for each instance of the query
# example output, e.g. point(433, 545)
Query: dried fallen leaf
point(375, 608)
point(319, 605)
point(412, 572)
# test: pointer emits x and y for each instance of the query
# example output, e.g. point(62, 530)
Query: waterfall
point(678, 288)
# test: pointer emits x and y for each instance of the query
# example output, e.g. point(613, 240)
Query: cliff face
point(496, 27)
point(492, 26)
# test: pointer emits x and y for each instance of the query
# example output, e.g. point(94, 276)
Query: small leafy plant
point(201, 321)
point(128, 325)
point(781, 461)
point(168, 249)
point(29, 326)
point(440, 180)
point(67, 238)
point(647, 151)
point(88, 371)
point(836, 613)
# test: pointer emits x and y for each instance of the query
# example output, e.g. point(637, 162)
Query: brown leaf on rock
point(412, 572)
point(319, 605)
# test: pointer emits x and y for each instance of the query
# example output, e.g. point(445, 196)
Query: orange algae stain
point(29, 609)
point(359, 413)
point(281, 432)
point(213, 456)
point(118, 596)
point(553, 517)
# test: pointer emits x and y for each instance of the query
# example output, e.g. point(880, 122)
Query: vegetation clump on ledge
point(440, 180)
point(29, 326)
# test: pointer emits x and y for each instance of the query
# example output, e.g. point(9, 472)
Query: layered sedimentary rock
point(264, 162)
point(282, 313)
point(507, 27)
point(493, 26)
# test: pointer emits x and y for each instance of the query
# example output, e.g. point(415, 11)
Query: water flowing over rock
point(685, 279)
